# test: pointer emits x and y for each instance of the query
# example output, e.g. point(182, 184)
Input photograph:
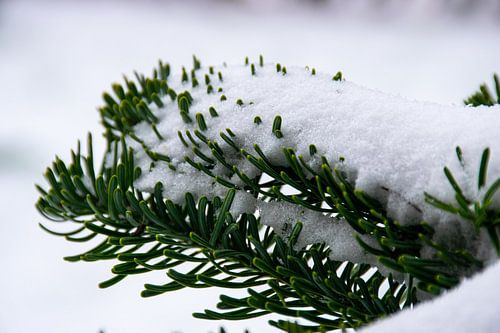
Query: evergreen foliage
point(484, 95)
point(200, 244)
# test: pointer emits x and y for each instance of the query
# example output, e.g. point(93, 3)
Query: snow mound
point(472, 307)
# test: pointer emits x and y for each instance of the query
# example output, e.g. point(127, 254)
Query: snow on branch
point(391, 148)
point(325, 194)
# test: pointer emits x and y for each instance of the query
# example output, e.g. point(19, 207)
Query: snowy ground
point(473, 307)
point(57, 57)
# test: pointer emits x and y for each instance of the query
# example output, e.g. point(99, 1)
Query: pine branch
point(484, 96)
point(203, 243)
point(228, 253)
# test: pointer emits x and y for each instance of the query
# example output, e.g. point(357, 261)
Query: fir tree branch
point(484, 96)
point(200, 244)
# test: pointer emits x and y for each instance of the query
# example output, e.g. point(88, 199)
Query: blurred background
point(56, 58)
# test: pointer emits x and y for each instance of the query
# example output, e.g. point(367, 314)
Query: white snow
point(392, 148)
point(243, 203)
point(472, 307)
point(335, 233)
